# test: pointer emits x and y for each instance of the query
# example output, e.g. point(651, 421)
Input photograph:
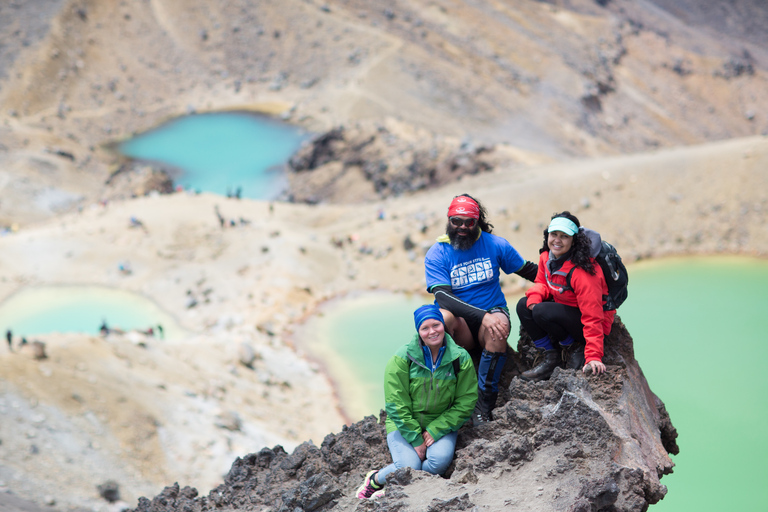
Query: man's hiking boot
point(545, 368)
point(370, 490)
point(574, 356)
point(486, 401)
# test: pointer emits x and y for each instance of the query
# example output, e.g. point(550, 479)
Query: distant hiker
point(104, 329)
point(23, 341)
point(136, 223)
point(558, 316)
point(160, 330)
point(462, 270)
point(9, 337)
point(222, 220)
point(430, 389)
point(191, 300)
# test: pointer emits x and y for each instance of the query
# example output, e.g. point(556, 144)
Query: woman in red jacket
point(558, 316)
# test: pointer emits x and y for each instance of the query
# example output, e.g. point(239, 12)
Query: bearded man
point(462, 271)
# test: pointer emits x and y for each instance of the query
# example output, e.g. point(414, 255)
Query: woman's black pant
point(550, 318)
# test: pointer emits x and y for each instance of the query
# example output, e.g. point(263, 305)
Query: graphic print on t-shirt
point(475, 271)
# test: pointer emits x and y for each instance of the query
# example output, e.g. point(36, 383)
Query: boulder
point(574, 442)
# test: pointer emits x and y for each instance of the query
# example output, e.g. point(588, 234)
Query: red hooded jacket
point(587, 295)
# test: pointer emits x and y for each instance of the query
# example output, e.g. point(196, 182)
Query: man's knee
point(494, 345)
point(458, 329)
point(449, 319)
point(504, 319)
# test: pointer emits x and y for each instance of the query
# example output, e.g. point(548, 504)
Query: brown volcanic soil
point(554, 79)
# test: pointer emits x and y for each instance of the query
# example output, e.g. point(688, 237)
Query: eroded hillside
point(555, 79)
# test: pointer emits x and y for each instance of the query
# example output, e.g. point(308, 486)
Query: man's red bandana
point(463, 206)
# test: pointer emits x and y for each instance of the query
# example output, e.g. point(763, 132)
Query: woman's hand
point(428, 440)
point(597, 367)
point(421, 451)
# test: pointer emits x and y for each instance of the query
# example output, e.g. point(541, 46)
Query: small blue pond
point(47, 309)
point(222, 152)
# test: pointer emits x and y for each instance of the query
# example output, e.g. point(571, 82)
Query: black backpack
point(616, 276)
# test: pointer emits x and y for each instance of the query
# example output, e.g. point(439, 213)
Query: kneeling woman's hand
point(428, 439)
point(597, 367)
point(421, 451)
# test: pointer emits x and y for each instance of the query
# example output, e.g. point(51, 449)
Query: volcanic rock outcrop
point(378, 161)
point(573, 443)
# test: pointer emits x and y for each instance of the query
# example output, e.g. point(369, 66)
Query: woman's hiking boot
point(574, 356)
point(486, 401)
point(544, 369)
point(370, 490)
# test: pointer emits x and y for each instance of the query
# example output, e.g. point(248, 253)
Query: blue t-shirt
point(473, 275)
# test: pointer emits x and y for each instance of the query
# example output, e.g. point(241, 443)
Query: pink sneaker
point(370, 490)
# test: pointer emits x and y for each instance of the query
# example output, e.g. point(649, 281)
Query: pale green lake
point(697, 325)
point(48, 309)
point(220, 152)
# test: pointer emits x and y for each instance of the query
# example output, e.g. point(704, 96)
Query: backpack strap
point(558, 287)
point(456, 366)
point(568, 283)
point(568, 286)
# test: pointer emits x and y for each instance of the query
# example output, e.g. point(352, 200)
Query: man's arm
point(511, 259)
point(528, 271)
point(446, 299)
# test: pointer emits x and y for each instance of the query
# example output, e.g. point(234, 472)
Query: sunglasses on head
point(457, 222)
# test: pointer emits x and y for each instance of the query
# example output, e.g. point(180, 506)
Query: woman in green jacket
point(430, 389)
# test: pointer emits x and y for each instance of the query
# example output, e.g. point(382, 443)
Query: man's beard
point(462, 243)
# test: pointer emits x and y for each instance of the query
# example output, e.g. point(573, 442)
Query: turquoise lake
point(47, 309)
point(698, 334)
point(221, 152)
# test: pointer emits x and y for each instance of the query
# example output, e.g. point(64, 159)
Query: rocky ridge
point(574, 443)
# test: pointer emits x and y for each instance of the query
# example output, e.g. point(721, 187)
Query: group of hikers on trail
point(431, 387)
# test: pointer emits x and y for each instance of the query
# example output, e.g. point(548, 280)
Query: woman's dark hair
point(483, 220)
point(579, 253)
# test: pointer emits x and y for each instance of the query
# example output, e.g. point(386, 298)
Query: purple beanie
point(425, 312)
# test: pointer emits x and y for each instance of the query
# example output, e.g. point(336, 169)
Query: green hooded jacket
point(418, 400)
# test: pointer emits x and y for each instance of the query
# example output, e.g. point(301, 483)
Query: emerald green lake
point(700, 339)
point(221, 152)
point(698, 334)
point(48, 309)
